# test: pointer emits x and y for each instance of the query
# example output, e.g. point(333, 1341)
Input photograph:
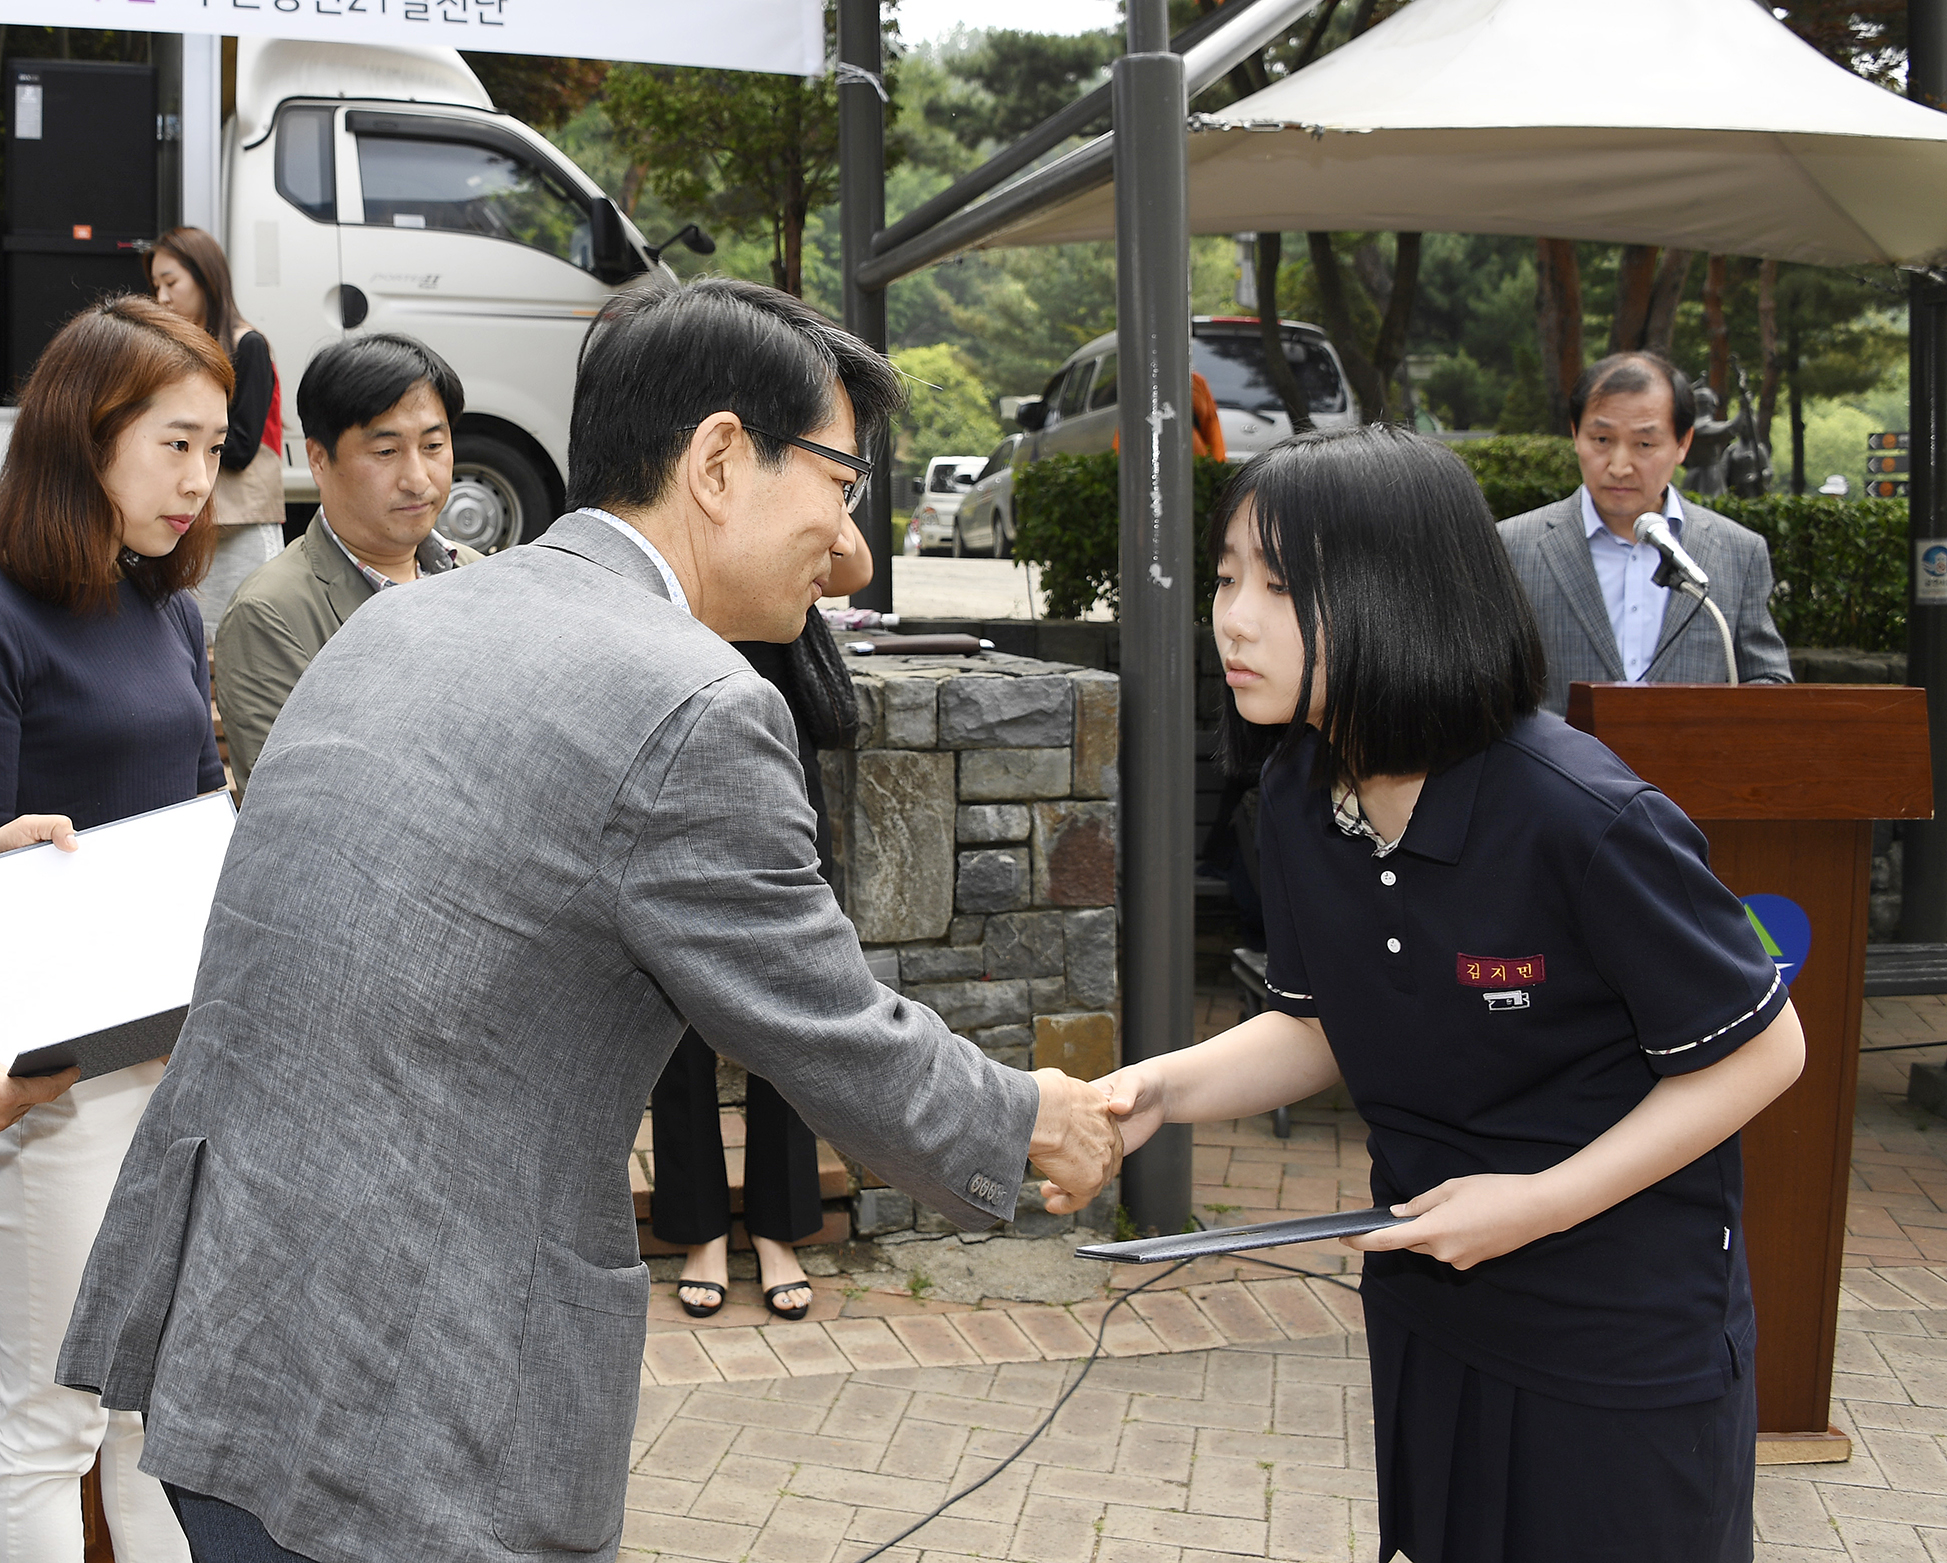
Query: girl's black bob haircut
point(1431, 648)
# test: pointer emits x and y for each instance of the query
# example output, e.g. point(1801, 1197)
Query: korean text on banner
point(786, 36)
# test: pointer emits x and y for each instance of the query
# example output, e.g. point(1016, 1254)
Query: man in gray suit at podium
point(1603, 618)
point(371, 1270)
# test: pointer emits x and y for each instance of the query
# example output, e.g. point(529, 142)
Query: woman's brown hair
point(203, 258)
point(57, 523)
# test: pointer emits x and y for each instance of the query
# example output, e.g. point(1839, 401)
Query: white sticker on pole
point(786, 36)
point(1930, 572)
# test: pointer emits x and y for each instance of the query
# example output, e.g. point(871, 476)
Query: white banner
point(787, 36)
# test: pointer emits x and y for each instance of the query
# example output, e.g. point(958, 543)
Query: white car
point(936, 502)
point(986, 520)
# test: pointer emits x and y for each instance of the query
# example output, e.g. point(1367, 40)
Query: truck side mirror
point(919, 487)
point(615, 259)
point(1032, 414)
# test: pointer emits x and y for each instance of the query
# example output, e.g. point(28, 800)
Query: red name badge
point(1499, 971)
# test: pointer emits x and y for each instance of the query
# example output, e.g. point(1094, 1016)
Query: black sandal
point(771, 1296)
point(699, 1310)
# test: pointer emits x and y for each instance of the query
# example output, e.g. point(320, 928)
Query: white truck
point(378, 189)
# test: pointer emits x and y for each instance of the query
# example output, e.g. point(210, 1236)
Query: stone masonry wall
point(974, 828)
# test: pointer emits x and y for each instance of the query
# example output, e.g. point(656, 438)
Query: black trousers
point(691, 1203)
point(220, 1532)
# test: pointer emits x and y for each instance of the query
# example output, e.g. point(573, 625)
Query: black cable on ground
point(1905, 1047)
point(1101, 1334)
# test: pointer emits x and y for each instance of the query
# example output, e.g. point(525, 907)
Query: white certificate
point(99, 947)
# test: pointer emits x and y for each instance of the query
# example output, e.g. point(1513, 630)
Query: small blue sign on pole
point(1784, 930)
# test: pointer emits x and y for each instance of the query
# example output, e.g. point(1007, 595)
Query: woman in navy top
point(105, 523)
point(1553, 1019)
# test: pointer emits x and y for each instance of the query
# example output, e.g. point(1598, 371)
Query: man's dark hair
point(654, 366)
point(1388, 549)
point(352, 381)
point(1624, 374)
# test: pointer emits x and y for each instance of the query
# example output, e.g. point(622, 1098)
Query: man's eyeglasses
point(853, 491)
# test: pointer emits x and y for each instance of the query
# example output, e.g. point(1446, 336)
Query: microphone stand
point(1668, 575)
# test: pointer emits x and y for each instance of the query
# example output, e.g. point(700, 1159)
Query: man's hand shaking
point(1076, 1142)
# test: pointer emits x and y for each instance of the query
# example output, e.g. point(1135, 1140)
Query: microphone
point(1678, 566)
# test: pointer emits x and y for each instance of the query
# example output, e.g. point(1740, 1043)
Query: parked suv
point(1075, 415)
point(936, 501)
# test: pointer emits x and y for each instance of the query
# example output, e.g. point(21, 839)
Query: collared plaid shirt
point(435, 557)
point(1350, 816)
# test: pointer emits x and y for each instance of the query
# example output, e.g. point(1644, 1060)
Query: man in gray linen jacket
point(1602, 617)
point(371, 1269)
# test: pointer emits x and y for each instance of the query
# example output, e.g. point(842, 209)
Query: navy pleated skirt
point(1474, 1470)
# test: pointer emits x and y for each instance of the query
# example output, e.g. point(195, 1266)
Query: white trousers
point(57, 1168)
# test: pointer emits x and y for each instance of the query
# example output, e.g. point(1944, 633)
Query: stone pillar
point(975, 829)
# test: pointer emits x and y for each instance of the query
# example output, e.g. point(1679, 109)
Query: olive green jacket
point(280, 618)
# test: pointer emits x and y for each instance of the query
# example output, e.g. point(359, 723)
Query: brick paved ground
point(1231, 1418)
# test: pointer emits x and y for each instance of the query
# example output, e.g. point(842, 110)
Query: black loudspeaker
point(81, 193)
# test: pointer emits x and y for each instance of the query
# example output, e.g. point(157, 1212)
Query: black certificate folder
point(103, 1052)
point(1235, 1240)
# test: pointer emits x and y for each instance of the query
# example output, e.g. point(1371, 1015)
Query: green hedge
point(1840, 564)
point(1521, 472)
point(1066, 521)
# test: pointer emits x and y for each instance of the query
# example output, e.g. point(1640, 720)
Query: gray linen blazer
point(1550, 551)
point(371, 1267)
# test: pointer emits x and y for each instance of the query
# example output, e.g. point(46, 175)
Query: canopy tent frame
point(1157, 922)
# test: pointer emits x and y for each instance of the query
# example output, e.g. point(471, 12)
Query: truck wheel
point(1003, 534)
point(498, 498)
point(959, 540)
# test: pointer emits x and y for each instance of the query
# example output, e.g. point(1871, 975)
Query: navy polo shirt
point(1545, 943)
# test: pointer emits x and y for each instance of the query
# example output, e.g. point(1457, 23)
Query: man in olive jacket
point(378, 416)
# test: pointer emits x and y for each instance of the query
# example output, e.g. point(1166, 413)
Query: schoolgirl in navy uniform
point(1553, 1019)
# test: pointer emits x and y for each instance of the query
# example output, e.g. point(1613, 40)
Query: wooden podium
point(1786, 780)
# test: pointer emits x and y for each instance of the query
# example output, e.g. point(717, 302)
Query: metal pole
point(1152, 245)
point(862, 213)
point(1923, 904)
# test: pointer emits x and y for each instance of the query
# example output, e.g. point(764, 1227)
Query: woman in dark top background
point(190, 276)
point(105, 524)
point(691, 1201)
point(1552, 1017)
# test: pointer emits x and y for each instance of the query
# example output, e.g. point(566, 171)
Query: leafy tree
point(1866, 36)
point(755, 153)
point(1836, 341)
point(947, 413)
point(1035, 308)
point(544, 91)
point(1011, 81)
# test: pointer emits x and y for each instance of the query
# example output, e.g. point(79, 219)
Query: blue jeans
point(220, 1532)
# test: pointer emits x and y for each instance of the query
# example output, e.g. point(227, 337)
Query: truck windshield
point(464, 188)
point(1233, 363)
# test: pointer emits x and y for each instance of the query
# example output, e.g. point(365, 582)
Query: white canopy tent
point(1704, 124)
